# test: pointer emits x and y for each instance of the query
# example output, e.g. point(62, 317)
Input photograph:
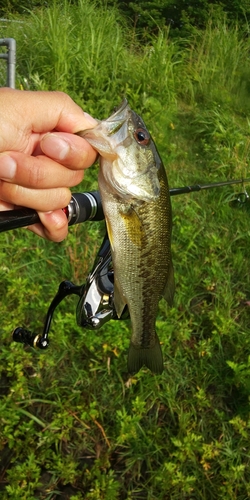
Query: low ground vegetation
point(73, 424)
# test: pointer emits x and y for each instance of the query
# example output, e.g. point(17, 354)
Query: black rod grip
point(82, 207)
point(12, 219)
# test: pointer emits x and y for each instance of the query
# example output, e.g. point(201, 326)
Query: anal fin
point(119, 300)
point(169, 289)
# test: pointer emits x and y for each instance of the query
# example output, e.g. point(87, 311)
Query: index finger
point(50, 110)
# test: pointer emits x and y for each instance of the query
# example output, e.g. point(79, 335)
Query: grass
point(73, 425)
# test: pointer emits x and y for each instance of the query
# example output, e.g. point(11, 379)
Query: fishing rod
point(88, 206)
point(96, 297)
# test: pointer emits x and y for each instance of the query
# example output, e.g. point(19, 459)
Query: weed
point(72, 423)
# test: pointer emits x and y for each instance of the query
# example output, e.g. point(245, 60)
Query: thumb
point(68, 149)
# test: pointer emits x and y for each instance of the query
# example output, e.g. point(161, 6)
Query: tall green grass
point(79, 49)
point(72, 423)
point(217, 63)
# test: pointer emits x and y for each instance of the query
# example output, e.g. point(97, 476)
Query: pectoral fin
point(110, 235)
point(134, 226)
point(169, 289)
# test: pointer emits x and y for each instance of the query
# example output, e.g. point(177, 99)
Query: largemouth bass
point(136, 204)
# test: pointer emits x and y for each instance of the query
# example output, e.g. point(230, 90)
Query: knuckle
point(10, 193)
point(64, 98)
point(36, 174)
point(66, 197)
point(76, 177)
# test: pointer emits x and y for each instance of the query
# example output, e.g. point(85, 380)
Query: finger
point(68, 149)
point(40, 112)
point(54, 226)
point(6, 206)
point(43, 200)
point(37, 172)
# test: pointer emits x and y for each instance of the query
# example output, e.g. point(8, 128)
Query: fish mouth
point(103, 136)
point(115, 122)
point(119, 109)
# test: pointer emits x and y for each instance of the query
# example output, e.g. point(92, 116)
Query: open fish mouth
point(105, 135)
point(113, 123)
point(119, 109)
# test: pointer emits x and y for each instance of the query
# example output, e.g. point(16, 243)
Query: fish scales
point(136, 203)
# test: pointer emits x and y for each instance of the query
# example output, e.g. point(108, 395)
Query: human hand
point(40, 157)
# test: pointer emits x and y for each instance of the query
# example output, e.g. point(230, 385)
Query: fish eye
point(142, 136)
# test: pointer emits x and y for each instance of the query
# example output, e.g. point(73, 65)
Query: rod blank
point(200, 187)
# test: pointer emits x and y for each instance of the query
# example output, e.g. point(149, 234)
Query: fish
point(137, 208)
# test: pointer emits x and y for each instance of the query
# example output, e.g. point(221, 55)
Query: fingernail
point(92, 121)
point(54, 146)
point(7, 167)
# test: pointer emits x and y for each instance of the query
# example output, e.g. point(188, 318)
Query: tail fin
point(151, 358)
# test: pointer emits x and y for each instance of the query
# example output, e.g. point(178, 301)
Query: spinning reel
point(95, 306)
